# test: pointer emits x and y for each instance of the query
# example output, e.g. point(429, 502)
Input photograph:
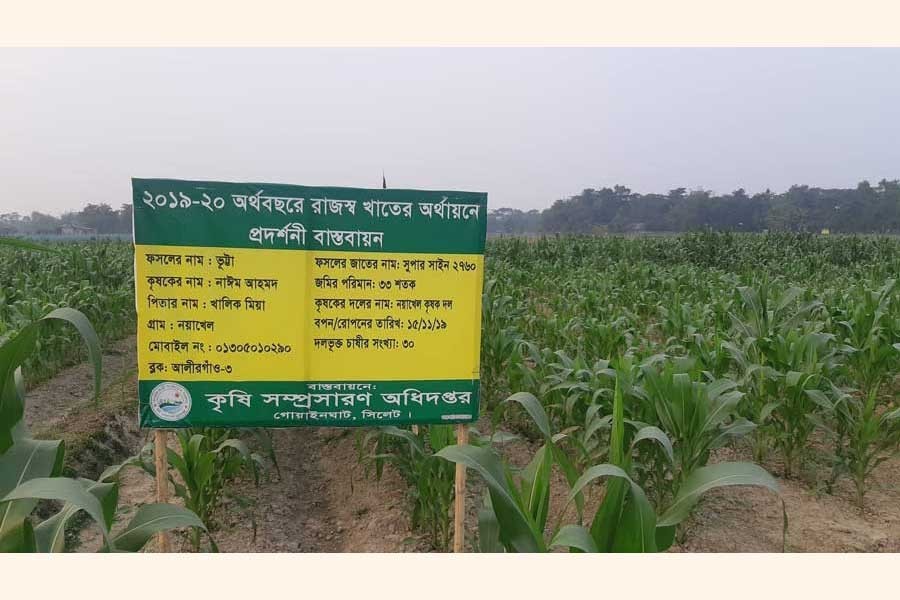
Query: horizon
point(714, 193)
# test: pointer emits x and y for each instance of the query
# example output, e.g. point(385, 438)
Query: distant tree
point(513, 221)
point(40, 223)
point(100, 217)
point(10, 223)
point(866, 208)
point(125, 219)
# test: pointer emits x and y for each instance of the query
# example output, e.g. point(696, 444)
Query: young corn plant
point(431, 480)
point(30, 469)
point(782, 393)
point(805, 364)
point(517, 507)
point(698, 417)
point(574, 387)
point(763, 319)
point(760, 384)
point(864, 434)
point(626, 521)
point(499, 339)
point(206, 462)
point(865, 429)
point(514, 517)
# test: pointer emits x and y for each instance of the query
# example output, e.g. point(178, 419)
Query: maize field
point(634, 374)
point(94, 277)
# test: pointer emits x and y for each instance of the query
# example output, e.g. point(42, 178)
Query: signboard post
point(459, 495)
point(271, 305)
point(161, 465)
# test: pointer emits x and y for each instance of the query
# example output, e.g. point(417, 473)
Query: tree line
point(92, 219)
point(865, 209)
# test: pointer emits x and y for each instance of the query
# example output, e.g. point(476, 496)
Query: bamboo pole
point(459, 500)
point(162, 483)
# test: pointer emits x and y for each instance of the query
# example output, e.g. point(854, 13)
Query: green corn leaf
point(174, 459)
point(13, 353)
point(617, 435)
point(738, 428)
point(502, 437)
point(414, 442)
point(236, 444)
point(608, 515)
point(714, 476)
point(50, 534)
point(84, 327)
point(574, 537)
point(665, 537)
point(19, 538)
point(636, 530)
point(517, 531)
point(534, 409)
point(26, 460)
point(606, 519)
point(656, 434)
point(488, 528)
point(192, 455)
point(571, 476)
point(536, 486)
point(598, 425)
point(66, 490)
point(150, 520)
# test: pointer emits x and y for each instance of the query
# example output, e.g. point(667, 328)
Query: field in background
point(95, 277)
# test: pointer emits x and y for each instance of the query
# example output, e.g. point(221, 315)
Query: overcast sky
point(528, 126)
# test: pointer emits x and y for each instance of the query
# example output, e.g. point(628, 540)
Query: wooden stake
point(162, 481)
point(459, 501)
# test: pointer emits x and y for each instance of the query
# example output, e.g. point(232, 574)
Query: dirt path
point(51, 403)
point(323, 503)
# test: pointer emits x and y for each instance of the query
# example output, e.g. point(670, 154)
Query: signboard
point(282, 305)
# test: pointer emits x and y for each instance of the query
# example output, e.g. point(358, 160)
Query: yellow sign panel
point(309, 300)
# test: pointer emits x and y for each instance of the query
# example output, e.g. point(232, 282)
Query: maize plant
point(865, 428)
point(30, 469)
point(515, 514)
point(697, 416)
point(431, 480)
point(206, 462)
point(95, 278)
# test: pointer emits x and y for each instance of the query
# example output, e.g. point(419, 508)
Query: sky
point(527, 126)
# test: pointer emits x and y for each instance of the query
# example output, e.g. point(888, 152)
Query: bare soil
point(748, 519)
point(324, 502)
point(320, 505)
point(70, 391)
